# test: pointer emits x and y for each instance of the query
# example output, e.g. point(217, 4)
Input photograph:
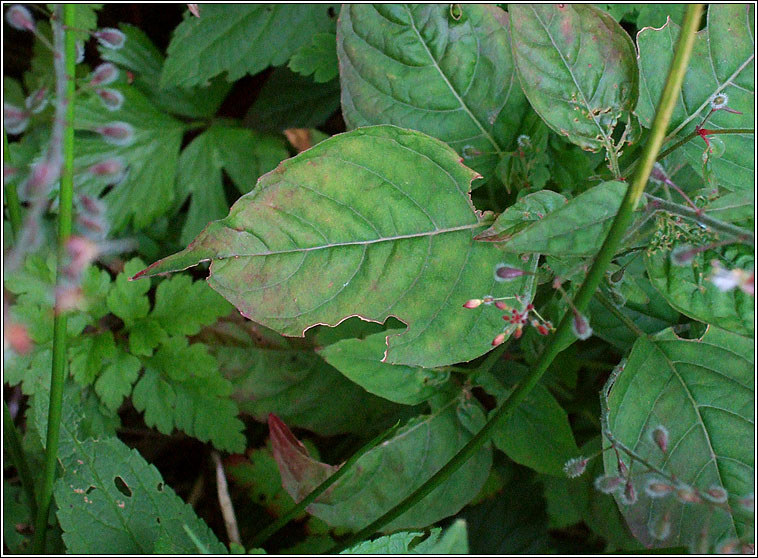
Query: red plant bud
point(19, 18)
point(716, 494)
point(108, 167)
point(473, 303)
point(629, 496)
point(498, 340)
point(499, 304)
point(104, 74)
point(581, 326)
point(519, 331)
point(660, 437)
point(507, 273)
point(575, 466)
point(117, 133)
point(623, 471)
point(15, 119)
point(110, 37)
point(113, 99)
point(543, 330)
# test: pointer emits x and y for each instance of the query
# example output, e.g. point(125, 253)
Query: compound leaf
point(240, 39)
point(183, 306)
point(452, 541)
point(319, 58)
point(723, 61)
point(577, 68)
point(302, 249)
point(414, 65)
point(701, 391)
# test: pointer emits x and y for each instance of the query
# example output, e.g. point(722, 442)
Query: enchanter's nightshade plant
point(431, 232)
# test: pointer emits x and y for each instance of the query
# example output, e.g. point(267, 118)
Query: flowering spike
point(113, 99)
point(575, 466)
point(110, 38)
point(716, 494)
point(15, 119)
point(629, 495)
point(608, 484)
point(117, 133)
point(657, 488)
point(506, 273)
point(660, 437)
point(473, 303)
point(104, 74)
point(498, 340)
point(19, 18)
point(581, 326)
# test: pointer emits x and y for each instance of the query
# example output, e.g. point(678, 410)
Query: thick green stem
point(16, 453)
point(11, 194)
point(563, 335)
point(65, 45)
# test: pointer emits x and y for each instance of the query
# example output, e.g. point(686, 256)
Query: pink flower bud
point(90, 205)
point(41, 177)
point(19, 18)
point(109, 167)
point(688, 495)
point(498, 340)
point(623, 471)
point(110, 38)
point(575, 467)
point(507, 273)
point(608, 484)
point(629, 495)
point(94, 225)
point(657, 488)
point(660, 437)
point(15, 119)
point(37, 101)
point(104, 74)
point(117, 133)
point(581, 326)
point(473, 303)
point(113, 99)
point(716, 494)
point(499, 304)
point(81, 251)
point(660, 529)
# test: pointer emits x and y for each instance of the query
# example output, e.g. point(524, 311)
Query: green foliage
point(319, 58)
point(452, 541)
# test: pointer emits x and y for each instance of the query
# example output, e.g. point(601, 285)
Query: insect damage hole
point(122, 487)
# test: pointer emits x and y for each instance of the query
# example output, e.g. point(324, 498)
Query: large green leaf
point(147, 190)
point(722, 62)
point(240, 39)
point(576, 228)
point(376, 222)
point(416, 66)
point(577, 68)
point(688, 289)
point(701, 391)
point(360, 360)
point(389, 472)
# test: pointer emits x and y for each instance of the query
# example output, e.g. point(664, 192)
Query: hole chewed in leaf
point(122, 487)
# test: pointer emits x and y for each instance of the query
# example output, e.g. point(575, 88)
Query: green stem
point(16, 453)
point(563, 335)
point(620, 316)
point(11, 193)
point(65, 43)
point(658, 204)
point(689, 137)
point(298, 508)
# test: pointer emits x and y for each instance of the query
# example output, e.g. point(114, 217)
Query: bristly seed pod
point(688, 495)
point(37, 101)
point(608, 484)
point(629, 495)
point(656, 487)
point(716, 494)
point(19, 18)
point(507, 273)
point(660, 437)
point(15, 119)
point(575, 467)
point(104, 74)
point(113, 99)
point(581, 326)
point(117, 133)
point(110, 37)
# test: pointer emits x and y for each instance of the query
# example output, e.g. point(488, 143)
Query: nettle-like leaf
point(240, 39)
point(577, 68)
point(387, 473)
point(242, 153)
point(147, 190)
point(143, 59)
point(360, 360)
point(452, 541)
point(723, 62)
point(416, 66)
point(575, 228)
point(701, 391)
point(688, 288)
point(377, 222)
point(302, 389)
point(319, 58)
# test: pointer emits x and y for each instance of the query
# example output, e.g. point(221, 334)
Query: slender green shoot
point(563, 336)
point(65, 88)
